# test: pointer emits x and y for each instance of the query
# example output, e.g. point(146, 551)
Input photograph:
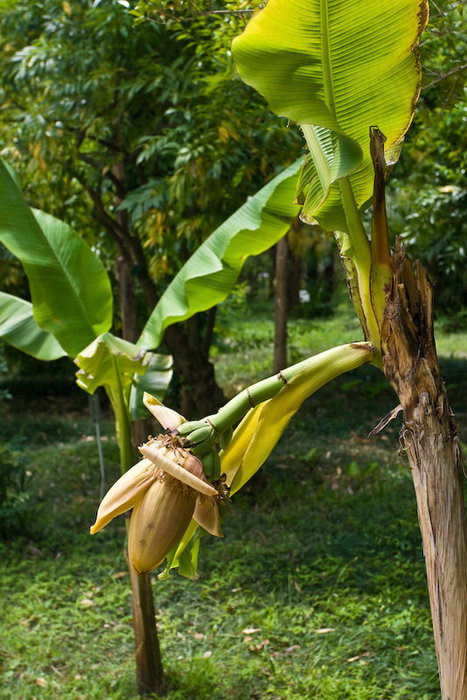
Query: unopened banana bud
point(162, 490)
point(159, 521)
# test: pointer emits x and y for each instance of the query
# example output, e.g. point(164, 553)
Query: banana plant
point(349, 74)
point(71, 315)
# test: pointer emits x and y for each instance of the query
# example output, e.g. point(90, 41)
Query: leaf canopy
point(70, 289)
point(337, 67)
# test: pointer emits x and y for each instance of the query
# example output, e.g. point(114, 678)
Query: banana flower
point(164, 490)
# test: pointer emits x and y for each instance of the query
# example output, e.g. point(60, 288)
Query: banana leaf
point(337, 68)
point(70, 289)
point(19, 328)
point(112, 362)
point(210, 274)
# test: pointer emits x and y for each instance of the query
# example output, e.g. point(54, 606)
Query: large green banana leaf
point(19, 328)
point(337, 67)
point(210, 274)
point(70, 288)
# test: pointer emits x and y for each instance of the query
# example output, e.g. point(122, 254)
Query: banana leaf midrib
point(327, 59)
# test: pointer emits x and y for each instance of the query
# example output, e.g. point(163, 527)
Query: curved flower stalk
point(180, 477)
point(165, 490)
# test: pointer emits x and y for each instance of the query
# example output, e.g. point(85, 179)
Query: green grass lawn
point(317, 589)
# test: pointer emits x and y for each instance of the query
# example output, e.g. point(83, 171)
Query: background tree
point(150, 125)
point(429, 187)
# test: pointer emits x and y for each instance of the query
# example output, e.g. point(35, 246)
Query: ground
point(317, 589)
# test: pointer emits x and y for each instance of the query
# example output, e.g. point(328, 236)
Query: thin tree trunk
point(129, 317)
point(201, 395)
point(150, 676)
point(149, 672)
point(281, 306)
point(429, 435)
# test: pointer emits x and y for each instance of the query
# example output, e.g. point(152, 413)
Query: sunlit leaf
point(19, 328)
point(337, 68)
point(210, 274)
point(70, 289)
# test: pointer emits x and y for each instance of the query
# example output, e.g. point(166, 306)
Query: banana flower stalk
point(165, 490)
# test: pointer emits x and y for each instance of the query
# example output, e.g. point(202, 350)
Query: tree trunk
point(150, 676)
point(429, 436)
point(200, 395)
point(126, 292)
point(281, 305)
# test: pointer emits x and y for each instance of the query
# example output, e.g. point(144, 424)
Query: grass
point(317, 589)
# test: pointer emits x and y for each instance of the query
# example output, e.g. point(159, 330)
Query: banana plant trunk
point(281, 305)
point(149, 672)
point(430, 439)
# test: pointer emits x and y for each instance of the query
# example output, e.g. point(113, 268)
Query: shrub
point(15, 500)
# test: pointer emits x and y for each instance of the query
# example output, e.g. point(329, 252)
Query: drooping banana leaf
point(70, 289)
point(112, 362)
point(260, 430)
point(337, 67)
point(210, 274)
point(19, 328)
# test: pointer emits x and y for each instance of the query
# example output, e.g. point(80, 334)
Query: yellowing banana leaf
point(110, 361)
point(258, 433)
point(210, 274)
point(337, 68)
point(70, 289)
point(19, 328)
point(260, 430)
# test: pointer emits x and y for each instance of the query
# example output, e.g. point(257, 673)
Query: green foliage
point(17, 510)
point(443, 56)
point(367, 82)
point(160, 137)
point(429, 185)
point(69, 286)
point(19, 328)
point(317, 589)
point(210, 274)
point(430, 201)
